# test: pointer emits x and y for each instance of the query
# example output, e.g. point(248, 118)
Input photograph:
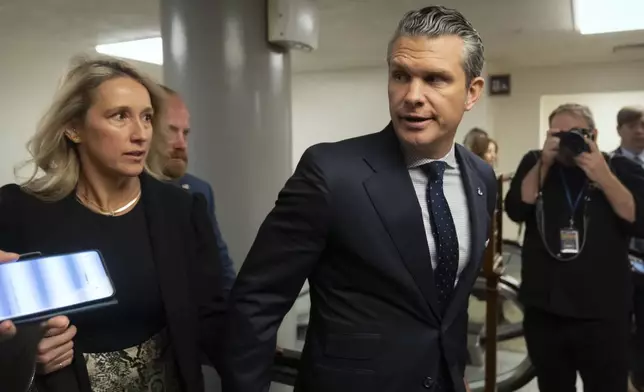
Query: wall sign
point(499, 84)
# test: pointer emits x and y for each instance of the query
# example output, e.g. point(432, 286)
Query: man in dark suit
point(178, 119)
point(389, 228)
point(630, 127)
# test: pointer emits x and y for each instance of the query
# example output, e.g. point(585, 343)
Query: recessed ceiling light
point(149, 50)
point(603, 16)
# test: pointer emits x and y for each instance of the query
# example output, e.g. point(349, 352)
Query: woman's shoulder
point(17, 206)
point(16, 199)
point(14, 193)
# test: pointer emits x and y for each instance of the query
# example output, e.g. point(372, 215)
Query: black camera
point(573, 142)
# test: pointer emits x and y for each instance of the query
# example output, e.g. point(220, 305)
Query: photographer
point(580, 210)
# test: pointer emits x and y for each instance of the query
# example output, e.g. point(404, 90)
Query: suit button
point(428, 382)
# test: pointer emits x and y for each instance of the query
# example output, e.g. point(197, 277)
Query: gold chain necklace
point(85, 200)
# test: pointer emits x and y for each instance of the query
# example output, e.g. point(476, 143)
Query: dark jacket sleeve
point(287, 247)
point(206, 278)
point(631, 176)
point(516, 209)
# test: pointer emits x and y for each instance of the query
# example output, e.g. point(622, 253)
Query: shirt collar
point(631, 155)
point(414, 161)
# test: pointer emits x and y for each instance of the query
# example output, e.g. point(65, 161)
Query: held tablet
point(39, 288)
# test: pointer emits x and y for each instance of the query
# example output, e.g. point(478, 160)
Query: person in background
point(580, 210)
point(178, 119)
point(482, 146)
point(98, 157)
point(492, 153)
point(630, 127)
point(491, 156)
point(390, 230)
point(472, 136)
point(485, 148)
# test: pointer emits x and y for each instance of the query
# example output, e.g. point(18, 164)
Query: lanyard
point(573, 207)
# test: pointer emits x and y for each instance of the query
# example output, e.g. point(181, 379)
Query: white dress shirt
point(456, 199)
point(639, 158)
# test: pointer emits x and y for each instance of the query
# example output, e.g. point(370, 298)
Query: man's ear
point(474, 91)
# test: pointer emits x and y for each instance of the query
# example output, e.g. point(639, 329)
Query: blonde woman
point(98, 152)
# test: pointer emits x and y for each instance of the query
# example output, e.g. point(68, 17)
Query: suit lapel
point(393, 196)
point(173, 282)
point(479, 224)
point(163, 250)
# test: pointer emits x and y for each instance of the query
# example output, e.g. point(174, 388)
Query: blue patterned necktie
point(444, 233)
point(446, 242)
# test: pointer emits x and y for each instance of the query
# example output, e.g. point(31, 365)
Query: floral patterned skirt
point(147, 367)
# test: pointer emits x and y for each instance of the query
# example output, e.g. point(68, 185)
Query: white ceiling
point(354, 33)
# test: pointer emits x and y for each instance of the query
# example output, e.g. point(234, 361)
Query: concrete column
point(238, 90)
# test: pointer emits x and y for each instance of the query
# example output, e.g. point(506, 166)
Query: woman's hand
point(56, 349)
point(6, 257)
point(7, 329)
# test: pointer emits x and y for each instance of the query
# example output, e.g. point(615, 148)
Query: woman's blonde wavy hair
point(55, 159)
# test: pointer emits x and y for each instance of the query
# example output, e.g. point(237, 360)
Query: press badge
point(569, 241)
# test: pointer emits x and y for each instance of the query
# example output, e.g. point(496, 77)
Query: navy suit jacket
point(637, 244)
point(349, 220)
point(196, 185)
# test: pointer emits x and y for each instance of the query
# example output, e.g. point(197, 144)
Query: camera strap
point(574, 245)
point(571, 245)
point(571, 205)
point(569, 236)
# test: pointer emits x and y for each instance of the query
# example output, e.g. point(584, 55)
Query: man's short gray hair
point(575, 109)
point(437, 21)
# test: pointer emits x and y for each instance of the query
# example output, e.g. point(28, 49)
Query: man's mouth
point(416, 119)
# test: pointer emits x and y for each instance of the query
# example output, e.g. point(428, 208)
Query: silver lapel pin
point(479, 191)
point(186, 186)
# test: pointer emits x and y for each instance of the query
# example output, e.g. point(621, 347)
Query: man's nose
point(414, 96)
point(180, 142)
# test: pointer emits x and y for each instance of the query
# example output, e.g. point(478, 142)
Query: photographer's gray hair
point(438, 21)
point(575, 109)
